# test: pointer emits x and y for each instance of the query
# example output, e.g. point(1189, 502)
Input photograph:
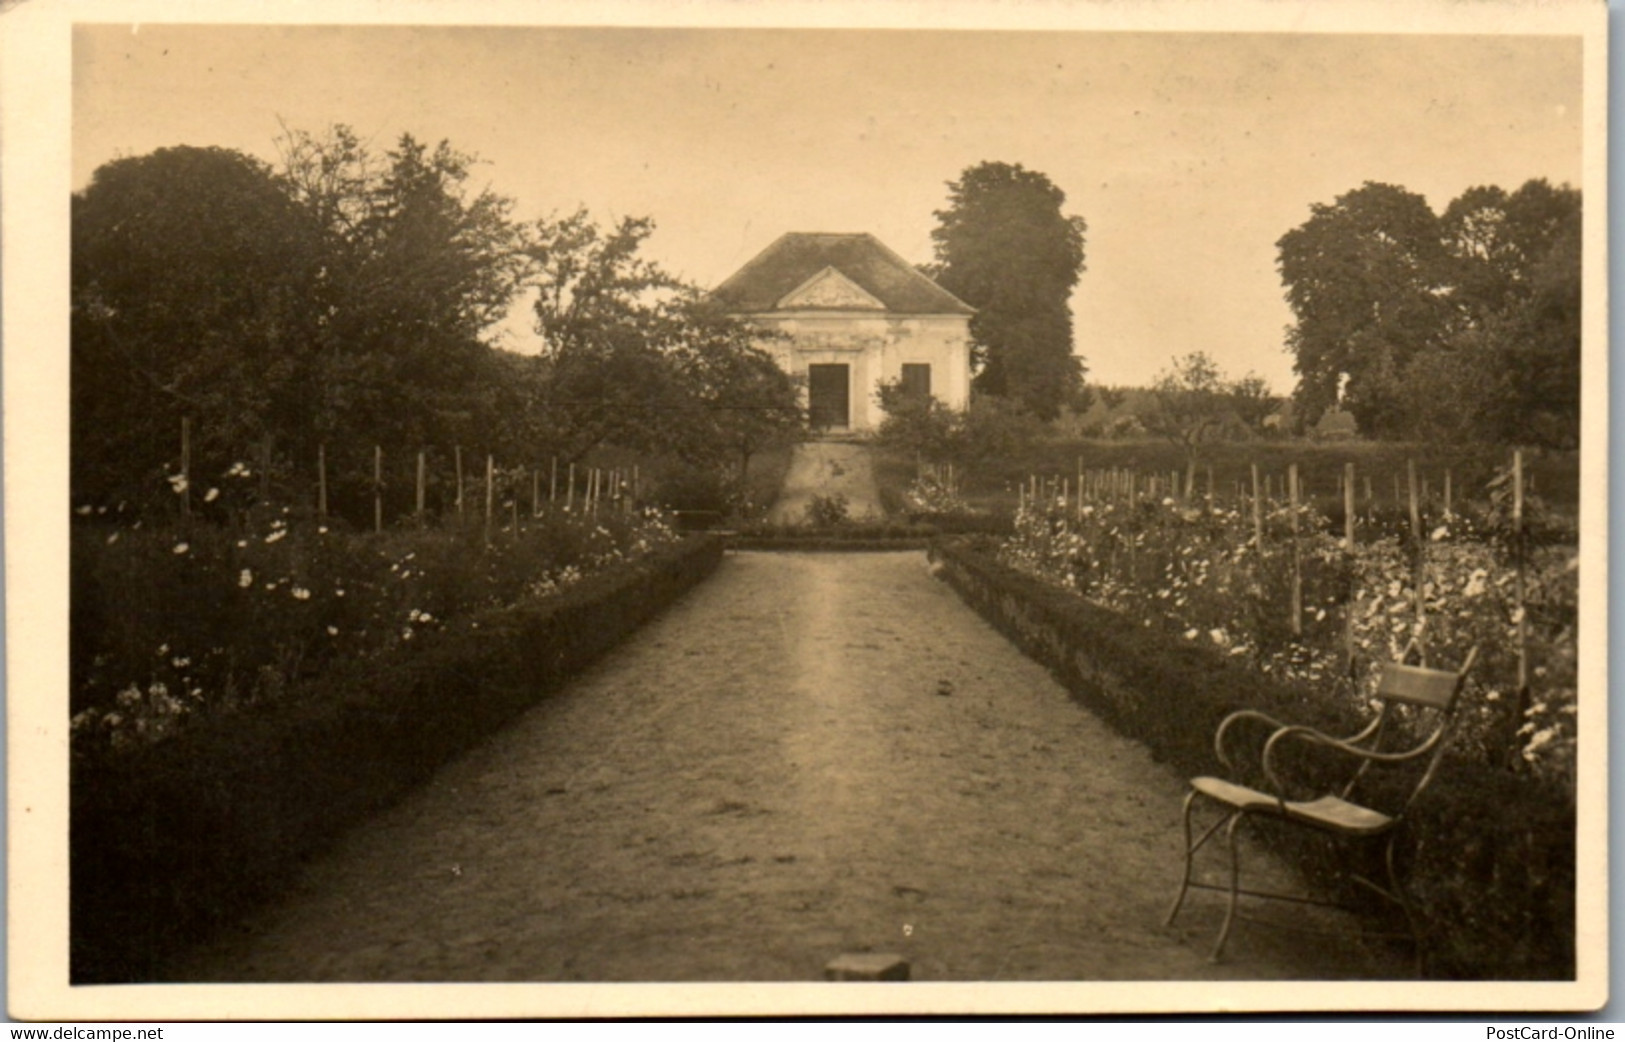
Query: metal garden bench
point(1432, 696)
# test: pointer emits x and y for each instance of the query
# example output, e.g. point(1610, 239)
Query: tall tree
point(1365, 277)
point(1462, 326)
point(192, 272)
point(1004, 247)
point(416, 267)
point(632, 356)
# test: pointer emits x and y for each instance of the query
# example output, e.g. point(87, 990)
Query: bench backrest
point(1418, 685)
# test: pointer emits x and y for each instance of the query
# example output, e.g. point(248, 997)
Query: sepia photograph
point(736, 509)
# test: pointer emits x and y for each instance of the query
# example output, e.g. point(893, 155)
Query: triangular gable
point(830, 289)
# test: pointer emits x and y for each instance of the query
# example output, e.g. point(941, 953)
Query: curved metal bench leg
point(1190, 855)
point(1235, 886)
point(1404, 903)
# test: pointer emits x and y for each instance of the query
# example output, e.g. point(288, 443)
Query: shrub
point(826, 511)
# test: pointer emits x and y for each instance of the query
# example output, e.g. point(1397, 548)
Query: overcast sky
point(1188, 154)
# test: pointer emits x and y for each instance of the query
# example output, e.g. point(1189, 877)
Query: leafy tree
point(1365, 277)
point(1193, 403)
point(192, 272)
point(1463, 326)
point(634, 357)
point(1004, 247)
point(415, 268)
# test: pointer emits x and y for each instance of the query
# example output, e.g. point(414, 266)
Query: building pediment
point(830, 289)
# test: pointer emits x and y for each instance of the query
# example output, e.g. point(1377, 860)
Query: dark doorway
point(828, 396)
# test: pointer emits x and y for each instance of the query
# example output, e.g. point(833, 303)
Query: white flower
point(83, 511)
point(211, 495)
point(112, 539)
point(1218, 637)
point(332, 631)
point(177, 482)
point(1192, 633)
point(1438, 533)
point(181, 548)
point(245, 579)
point(300, 593)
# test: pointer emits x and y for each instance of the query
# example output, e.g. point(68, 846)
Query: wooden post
point(535, 493)
point(1190, 479)
point(265, 469)
point(1421, 551)
point(1348, 549)
point(553, 482)
point(490, 492)
point(1297, 561)
point(321, 481)
point(1258, 514)
point(457, 453)
point(1520, 553)
point(377, 489)
point(1210, 486)
point(1447, 504)
point(421, 488)
point(570, 489)
point(513, 510)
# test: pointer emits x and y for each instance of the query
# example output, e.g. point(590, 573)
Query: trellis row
point(622, 488)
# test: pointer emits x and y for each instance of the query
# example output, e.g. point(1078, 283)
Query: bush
point(173, 839)
point(826, 511)
point(1493, 854)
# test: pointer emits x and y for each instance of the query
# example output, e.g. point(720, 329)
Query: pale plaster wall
point(876, 346)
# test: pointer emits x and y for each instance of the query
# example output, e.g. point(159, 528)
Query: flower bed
point(169, 626)
point(173, 838)
point(1492, 866)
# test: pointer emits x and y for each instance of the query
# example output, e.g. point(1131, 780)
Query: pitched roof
point(797, 258)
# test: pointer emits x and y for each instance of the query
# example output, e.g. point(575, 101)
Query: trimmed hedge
point(1492, 859)
point(173, 840)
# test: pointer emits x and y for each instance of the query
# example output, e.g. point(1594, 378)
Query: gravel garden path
point(810, 755)
point(827, 468)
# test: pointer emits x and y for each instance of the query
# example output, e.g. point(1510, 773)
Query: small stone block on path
point(867, 966)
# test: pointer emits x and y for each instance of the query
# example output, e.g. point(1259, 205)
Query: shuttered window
point(916, 379)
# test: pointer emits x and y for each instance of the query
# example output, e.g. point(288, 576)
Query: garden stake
point(1447, 510)
point(490, 490)
point(513, 506)
point(321, 481)
point(457, 451)
point(553, 483)
point(535, 493)
point(570, 490)
point(420, 489)
point(377, 489)
point(265, 469)
point(1421, 549)
point(1258, 514)
point(1520, 553)
point(1348, 548)
point(1297, 562)
point(186, 467)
